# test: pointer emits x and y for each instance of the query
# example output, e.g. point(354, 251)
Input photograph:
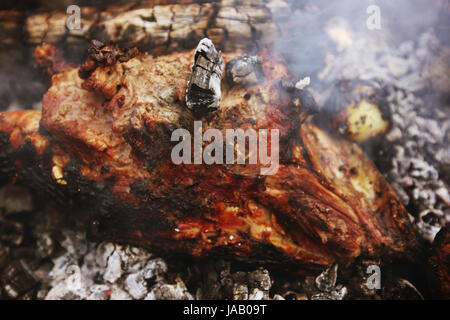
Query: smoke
point(317, 28)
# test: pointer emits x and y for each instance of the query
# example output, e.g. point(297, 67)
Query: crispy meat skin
point(103, 146)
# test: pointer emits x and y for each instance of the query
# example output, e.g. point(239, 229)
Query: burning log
point(159, 27)
point(102, 146)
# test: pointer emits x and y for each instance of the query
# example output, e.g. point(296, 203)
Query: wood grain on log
point(162, 28)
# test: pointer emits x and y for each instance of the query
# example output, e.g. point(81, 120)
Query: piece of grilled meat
point(102, 145)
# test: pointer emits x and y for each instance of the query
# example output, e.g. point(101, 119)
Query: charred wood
point(203, 91)
point(159, 26)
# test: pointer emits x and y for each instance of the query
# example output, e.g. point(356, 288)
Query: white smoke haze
point(317, 28)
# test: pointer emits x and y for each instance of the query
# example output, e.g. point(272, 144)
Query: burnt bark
point(160, 26)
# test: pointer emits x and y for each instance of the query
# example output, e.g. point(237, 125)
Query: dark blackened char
point(439, 262)
point(102, 144)
point(203, 91)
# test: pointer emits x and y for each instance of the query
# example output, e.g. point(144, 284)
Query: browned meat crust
point(103, 145)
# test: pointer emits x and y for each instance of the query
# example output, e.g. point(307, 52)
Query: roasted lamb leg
point(102, 145)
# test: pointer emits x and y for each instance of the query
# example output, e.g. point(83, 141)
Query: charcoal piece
point(326, 281)
point(245, 70)
point(203, 91)
point(301, 95)
point(17, 279)
point(307, 101)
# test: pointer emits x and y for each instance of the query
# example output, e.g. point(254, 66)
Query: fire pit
point(103, 197)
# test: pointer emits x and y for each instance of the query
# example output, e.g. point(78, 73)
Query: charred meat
point(102, 145)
